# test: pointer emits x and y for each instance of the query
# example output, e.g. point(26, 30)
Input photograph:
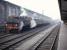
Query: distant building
point(36, 15)
point(8, 9)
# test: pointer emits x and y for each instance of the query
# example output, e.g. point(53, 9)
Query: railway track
point(9, 40)
point(47, 43)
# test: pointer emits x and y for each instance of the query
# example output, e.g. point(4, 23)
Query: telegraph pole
point(42, 11)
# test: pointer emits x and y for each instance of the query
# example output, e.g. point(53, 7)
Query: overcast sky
point(47, 7)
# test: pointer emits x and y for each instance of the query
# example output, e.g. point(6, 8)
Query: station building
point(8, 9)
point(63, 9)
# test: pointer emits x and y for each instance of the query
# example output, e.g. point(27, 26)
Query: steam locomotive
point(19, 23)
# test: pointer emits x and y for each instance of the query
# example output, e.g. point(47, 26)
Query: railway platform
point(62, 43)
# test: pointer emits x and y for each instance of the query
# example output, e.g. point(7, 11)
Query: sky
point(49, 8)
